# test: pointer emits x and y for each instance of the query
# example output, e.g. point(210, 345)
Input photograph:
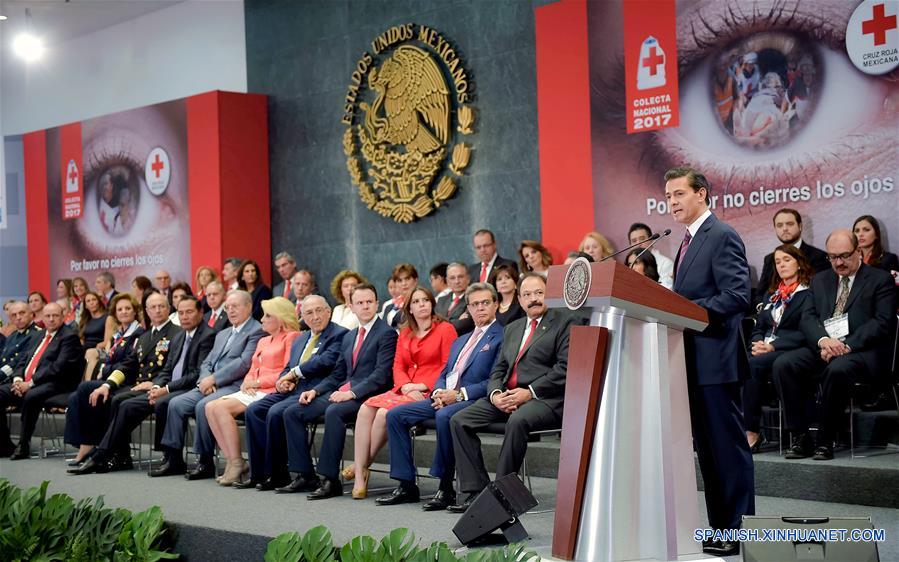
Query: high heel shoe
point(234, 472)
point(348, 473)
point(361, 493)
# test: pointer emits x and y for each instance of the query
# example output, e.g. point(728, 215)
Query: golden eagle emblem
point(404, 137)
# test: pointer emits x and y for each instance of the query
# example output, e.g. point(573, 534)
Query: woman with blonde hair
point(341, 287)
point(279, 320)
point(204, 276)
point(596, 245)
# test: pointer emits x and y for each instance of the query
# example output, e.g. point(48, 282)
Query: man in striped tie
point(526, 390)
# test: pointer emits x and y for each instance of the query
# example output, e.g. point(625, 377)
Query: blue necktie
point(179, 367)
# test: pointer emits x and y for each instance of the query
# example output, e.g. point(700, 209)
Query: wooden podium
point(627, 482)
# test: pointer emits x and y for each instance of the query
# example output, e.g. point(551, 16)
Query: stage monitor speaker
point(825, 551)
point(497, 507)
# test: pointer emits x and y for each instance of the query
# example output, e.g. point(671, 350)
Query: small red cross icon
point(879, 24)
point(73, 175)
point(653, 61)
point(157, 165)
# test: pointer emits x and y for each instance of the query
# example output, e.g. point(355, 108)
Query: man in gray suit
point(220, 373)
point(286, 266)
point(526, 390)
point(453, 306)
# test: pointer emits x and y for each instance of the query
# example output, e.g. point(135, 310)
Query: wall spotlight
point(29, 47)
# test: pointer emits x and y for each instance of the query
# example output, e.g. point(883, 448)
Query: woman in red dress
point(421, 352)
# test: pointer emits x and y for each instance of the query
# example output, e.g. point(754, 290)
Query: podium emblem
point(577, 283)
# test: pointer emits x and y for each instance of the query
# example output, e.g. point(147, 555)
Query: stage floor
point(265, 514)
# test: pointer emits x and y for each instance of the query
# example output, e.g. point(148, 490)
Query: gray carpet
point(265, 514)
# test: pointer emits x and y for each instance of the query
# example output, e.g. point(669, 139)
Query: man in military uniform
point(133, 378)
point(20, 340)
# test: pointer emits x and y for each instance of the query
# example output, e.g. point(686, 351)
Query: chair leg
point(780, 428)
point(851, 428)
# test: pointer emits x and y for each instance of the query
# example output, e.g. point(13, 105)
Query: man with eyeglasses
point(312, 358)
point(848, 325)
point(463, 380)
point(488, 258)
point(526, 390)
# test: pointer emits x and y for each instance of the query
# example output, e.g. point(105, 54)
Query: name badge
point(837, 327)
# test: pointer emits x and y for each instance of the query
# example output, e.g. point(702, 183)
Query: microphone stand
point(654, 237)
point(647, 248)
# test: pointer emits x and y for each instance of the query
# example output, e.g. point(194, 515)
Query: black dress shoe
point(299, 484)
point(91, 466)
point(823, 453)
point(22, 452)
point(440, 501)
point(271, 483)
point(462, 507)
point(121, 463)
point(246, 484)
point(201, 472)
point(759, 443)
point(167, 469)
point(721, 548)
point(401, 494)
point(329, 489)
point(7, 449)
point(800, 447)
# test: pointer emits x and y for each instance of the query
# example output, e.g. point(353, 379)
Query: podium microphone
point(654, 237)
point(657, 238)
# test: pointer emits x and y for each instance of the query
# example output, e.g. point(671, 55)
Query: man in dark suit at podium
point(526, 390)
point(711, 270)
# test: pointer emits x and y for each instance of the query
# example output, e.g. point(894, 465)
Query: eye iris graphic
point(118, 199)
point(765, 88)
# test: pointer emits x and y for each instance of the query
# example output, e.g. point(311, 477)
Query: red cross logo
point(157, 165)
point(73, 175)
point(653, 61)
point(879, 24)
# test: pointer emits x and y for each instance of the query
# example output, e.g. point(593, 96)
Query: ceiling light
point(2, 17)
point(28, 47)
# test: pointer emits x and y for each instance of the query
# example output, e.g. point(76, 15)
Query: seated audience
point(867, 229)
point(92, 326)
point(313, 356)
point(220, 374)
point(135, 358)
point(303, 283)
point(777, 330)
point(79, 289)
point(230, 270)
point(405, 278)
point(49, 367)
point(596, 245)
point(164, 284)
point(574, 254)
point(485, 249)
point(104, 285)
point(788, 229)
point(421, 352)
point(178, 292)
point(140, 287)
point(204, 276)
point(95, 404)
point(286, 266)
point(505, 279)
point(639, 232)
point(437, 276)
point(526, 391)
point(65, 298)
point(462, 381)
point(272, 354)
point(250, 280)
point(452, 306)
point(645, 264)
point(363, 370)
point(6, 329)
point(847, 324)
point(23, 338)
point(341, 287)
point(217, 317)
point(533, 256)
point(36, 302)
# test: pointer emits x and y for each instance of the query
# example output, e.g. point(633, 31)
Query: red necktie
point(513, 380)
point(455, 302)
point(683, 248)
point(32, 366)
point(287, 288)
point(299, 308)
point(211, 322)
point(358, 345)
point(483, 272)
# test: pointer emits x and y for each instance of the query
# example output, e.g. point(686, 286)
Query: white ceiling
point(57, 21)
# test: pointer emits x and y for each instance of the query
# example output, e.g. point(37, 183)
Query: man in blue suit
point(365, 368)
point(313, 356)
point(711, 270)
point(463, 380)
point(220, 373)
